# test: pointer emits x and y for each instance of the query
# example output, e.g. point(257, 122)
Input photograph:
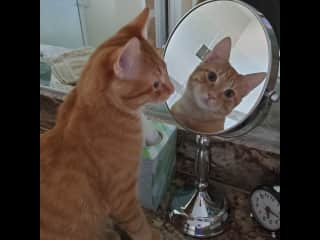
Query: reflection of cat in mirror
point(213, 90)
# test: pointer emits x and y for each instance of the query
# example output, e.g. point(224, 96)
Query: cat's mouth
point(208, 104)
point(205, 101)
point(209, 101)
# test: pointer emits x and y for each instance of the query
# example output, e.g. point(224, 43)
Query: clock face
point(266, 209)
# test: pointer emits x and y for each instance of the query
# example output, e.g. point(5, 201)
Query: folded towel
point(68, 66)
point(56, 84)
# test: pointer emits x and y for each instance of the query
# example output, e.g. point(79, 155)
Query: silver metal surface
point(203, 216)
point(264, 102)
point(277, 189)
point(206, 213)
point(275, 97)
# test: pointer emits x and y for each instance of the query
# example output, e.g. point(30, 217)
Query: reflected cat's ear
point(221, 51)
point(250, 82)
point(128, 59)
point(142, 22)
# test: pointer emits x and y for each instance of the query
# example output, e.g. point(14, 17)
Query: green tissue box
point(45, 73)
point(156, 167)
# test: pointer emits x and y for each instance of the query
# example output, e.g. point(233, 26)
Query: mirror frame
point(261, 108)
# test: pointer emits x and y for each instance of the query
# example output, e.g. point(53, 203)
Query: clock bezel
point(271, 191)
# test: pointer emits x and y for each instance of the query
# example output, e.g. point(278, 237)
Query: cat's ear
point(127, 61)
point(142, 22)
point(220, 51)
point(250, 82)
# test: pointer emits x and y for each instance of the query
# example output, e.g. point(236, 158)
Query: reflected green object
point(45, 73)
point(181, 197)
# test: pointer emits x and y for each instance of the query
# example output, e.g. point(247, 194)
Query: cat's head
point(127, 68)
point(216, 86)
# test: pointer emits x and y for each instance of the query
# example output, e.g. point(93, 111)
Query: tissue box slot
point(156, 167)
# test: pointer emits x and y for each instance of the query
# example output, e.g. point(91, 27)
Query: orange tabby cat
point(213, 90)
point(89, 160)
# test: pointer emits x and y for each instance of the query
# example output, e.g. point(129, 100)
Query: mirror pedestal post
point(206, 213)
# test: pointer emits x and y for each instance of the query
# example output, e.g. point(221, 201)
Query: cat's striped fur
point(89, 160)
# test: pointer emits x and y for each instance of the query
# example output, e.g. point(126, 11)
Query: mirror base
point(205, 214)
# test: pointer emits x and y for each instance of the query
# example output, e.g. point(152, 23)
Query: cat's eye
point(229, 93)
point(156, 84)
point(212, 76)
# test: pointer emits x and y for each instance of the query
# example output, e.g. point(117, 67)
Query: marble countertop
point(242, 227)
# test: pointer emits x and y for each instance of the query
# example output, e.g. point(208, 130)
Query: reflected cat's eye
point(212, 76)
point(229, 93)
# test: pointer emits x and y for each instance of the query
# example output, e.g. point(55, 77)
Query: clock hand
point(273, 213)
point(269, 210)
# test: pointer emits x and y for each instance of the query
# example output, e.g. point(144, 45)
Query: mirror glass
point(218, 58)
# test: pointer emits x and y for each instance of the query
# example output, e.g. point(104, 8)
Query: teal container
point(45, 73)
point(157, 167)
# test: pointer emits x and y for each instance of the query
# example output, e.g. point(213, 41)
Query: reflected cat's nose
point(212, 95)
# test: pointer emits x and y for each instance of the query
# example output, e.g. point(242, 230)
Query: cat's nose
point(211, 96)
point(169, 87)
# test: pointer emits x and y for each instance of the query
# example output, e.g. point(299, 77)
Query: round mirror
point(223, 59)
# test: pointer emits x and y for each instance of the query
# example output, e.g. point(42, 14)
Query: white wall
point(177, 9)
point(105, 17)
point(59, 23)
point(249, 47)
point(250, 55)
point(186, 5)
